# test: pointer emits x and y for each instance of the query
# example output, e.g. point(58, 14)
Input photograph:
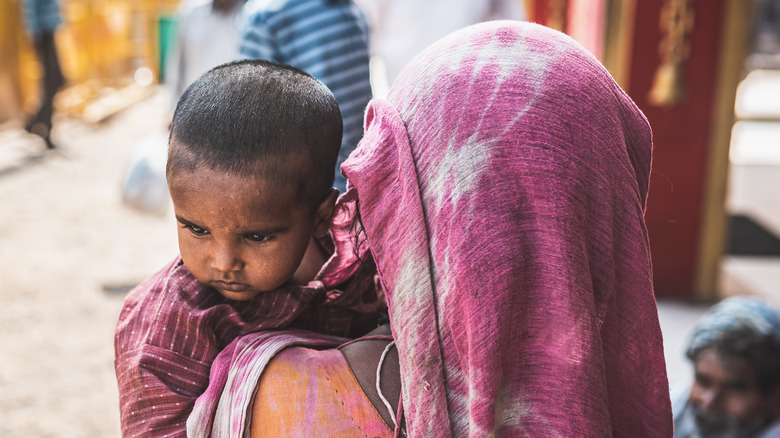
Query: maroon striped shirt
point(172, 327)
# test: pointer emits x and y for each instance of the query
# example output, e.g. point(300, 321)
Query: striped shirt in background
point(41, 16)
point(328, 40)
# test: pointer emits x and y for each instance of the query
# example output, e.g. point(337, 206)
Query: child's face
point(240, 235)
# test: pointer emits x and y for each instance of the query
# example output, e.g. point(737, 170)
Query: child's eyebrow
point(186, 222)
point(265, 231)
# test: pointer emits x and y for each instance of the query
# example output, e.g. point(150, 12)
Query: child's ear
point(323, 217)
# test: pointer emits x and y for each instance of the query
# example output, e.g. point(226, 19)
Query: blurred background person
point(42, 18)
point(207, 36)
point(325, 38)
point(400, 29)
point(735, 350)
point(765, 43)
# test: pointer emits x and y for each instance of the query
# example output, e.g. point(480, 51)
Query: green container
point(167, 27)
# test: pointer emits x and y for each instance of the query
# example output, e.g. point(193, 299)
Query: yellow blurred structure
point(108, 49)
point(16, 53)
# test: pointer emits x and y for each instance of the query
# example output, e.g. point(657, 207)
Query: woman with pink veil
point(501, 191)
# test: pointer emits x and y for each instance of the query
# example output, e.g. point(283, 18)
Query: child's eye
point(198, 231)
point(259, 238)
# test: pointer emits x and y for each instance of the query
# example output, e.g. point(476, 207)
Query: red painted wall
point(681, 137)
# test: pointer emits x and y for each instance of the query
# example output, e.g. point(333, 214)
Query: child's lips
point(231, 286)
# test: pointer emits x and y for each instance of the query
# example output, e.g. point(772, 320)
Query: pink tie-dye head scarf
point(502, 188)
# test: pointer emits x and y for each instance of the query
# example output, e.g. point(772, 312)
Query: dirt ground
point(69, 250)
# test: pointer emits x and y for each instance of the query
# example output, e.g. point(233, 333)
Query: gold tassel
point(676, 22)
point(668, 87)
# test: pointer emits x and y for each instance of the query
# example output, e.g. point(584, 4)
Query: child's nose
point(226, 259)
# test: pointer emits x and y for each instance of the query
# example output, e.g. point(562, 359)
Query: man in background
point(42, 18)
point(735, 350)
point(207, 36)
point(400, 29)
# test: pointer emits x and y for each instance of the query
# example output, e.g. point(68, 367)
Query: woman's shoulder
point(373, 356)
point(304, 390)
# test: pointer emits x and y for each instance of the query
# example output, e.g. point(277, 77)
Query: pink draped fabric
point(225, 408)
point(502, 188)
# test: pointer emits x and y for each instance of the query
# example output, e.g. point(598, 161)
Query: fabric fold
point(226, 406)
point(400, 246)
point(502, 188)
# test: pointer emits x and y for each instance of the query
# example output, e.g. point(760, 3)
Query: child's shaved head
point(257, 118)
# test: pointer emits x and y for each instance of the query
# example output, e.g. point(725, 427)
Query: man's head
point(250, 167)
point(735, 350)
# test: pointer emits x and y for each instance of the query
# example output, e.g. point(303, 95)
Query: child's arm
point(163, 353)
point(149, 405)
